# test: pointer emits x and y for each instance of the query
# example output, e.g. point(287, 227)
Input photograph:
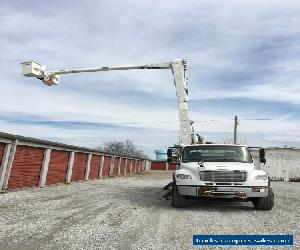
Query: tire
point(264, 203)
point(178, 200)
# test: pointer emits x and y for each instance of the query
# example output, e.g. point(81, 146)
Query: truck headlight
point(183, 176)
point(261, 177)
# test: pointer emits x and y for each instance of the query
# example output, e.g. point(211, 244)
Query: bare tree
point(122, 148)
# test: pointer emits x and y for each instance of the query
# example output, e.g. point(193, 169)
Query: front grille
point(223, 176)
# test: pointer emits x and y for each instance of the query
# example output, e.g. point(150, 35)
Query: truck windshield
point(216, 153)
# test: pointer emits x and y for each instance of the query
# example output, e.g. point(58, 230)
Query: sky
point(242, 59)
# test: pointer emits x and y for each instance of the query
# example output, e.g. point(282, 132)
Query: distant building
point(161, 154)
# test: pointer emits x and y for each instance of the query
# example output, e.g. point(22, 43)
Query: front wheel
point(178, 200)
point(264, 203)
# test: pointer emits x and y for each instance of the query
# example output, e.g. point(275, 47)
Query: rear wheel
point(264, 203)
point(178, 200)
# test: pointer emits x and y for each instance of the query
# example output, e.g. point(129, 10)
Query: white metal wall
point(283, 164)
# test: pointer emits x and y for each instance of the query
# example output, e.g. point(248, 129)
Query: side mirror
point(262, 155)
point(173, 154)
point(263, 161)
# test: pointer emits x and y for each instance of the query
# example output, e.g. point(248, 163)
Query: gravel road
point(130, 213)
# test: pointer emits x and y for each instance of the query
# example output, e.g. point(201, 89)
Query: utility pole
point(235, 130)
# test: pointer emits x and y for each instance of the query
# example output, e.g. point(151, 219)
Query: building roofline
point(44, 143)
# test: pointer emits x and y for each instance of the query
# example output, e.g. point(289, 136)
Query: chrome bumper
point(223, 192)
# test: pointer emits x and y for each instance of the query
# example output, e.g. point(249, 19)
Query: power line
point(257, 119)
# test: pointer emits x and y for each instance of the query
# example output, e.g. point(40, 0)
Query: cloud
point(242, 60)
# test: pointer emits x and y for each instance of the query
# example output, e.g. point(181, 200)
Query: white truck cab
point(219, 171)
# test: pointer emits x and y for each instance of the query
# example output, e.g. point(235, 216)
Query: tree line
point(127, 148)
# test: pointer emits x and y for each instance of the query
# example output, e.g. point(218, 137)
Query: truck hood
point(219, 166)
point(193, 169)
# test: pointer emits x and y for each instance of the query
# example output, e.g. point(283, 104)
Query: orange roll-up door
point(26, 167)
point(95, 166)
point(106, 166)
point(122, 167)
point(2, 146)
point(116, 163)
point(79, 166)
point(58, 166)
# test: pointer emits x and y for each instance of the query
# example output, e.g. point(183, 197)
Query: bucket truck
point(203, 170)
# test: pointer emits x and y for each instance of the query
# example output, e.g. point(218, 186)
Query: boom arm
point(187, 135)
point(178, 67)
